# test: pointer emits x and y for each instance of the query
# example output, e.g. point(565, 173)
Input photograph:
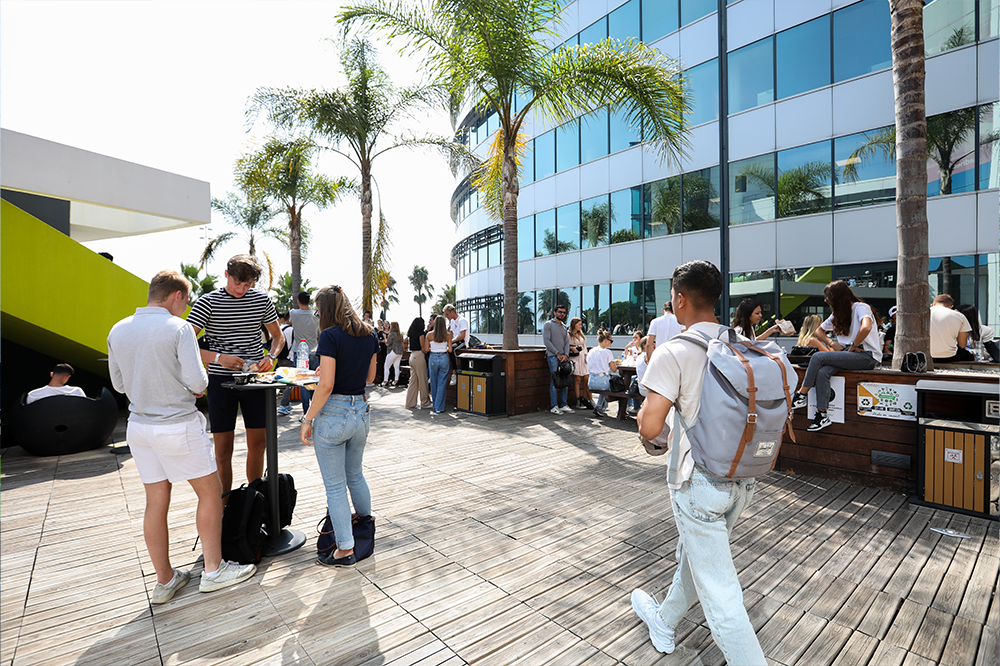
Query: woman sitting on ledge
point(807, 334)
point(856, 348)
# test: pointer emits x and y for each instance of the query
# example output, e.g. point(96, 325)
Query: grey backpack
point(746, 405)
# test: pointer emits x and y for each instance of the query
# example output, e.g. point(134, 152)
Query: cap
point(892, 311)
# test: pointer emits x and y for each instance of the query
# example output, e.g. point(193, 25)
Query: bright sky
point(165, 84)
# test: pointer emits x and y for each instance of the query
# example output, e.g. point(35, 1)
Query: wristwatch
point(303, 419)
point(218, 355)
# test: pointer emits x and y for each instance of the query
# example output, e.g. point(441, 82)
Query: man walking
point(459, 327)
point(705, 507)
point(153, 358)
point(556, 339)
point(232, 317)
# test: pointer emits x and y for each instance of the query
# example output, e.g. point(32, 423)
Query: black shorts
point(223, 404)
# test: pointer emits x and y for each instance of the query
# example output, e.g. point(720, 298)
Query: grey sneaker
point(284, 411)
point(648, 611)
point(164, 593)
point(820, 421)
point(799, 400)
point(229, 573)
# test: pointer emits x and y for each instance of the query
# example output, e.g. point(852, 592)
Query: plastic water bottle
point(302, 355)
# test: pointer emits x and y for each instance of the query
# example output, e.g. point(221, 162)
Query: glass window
point(659, 18)
point(626, 310)
point(569, 297)
point(568, 227)
point(803, 57)
point(802, 293)
point(692, 10)
point(703, 82)
point(596, 301)
point(621, 133)
point(987, 302)
point(568, 145)
point(623, 23)
point(701, 199)
point(545, 155)
point(757, 286)
point(951, 163)
point(545, 233)
point(657, 294)
point(954, 276)
point(494, 254)
point(874, 283)
point(865, 168)
point(594, 221)
point(496, 317)
point(546, 300)
point(626, 215)
point(594, 135)
point(492, 124)
point(948, 24)
point(751, 76)
point(480, 132)
point(528, 164)
point(663, 207)
point(751, 190)
point(989, 13)
point(989, 142)
point(594, 33)
point(861, 41)
point(805, 176)
point(484, 257)
point(526, 312)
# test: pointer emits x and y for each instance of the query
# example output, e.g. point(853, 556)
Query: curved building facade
point(787, 183)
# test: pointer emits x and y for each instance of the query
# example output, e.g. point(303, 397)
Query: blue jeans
point(438, 368)
point(600, 382)
point(339, 436)
point(557, 397)
point(706, 509)
point(824, 365)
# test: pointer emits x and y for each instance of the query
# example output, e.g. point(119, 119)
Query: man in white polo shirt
point(949, 332)
point(459, 327)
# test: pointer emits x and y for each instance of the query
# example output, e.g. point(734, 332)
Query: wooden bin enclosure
point(527, 379)
point(844, 451)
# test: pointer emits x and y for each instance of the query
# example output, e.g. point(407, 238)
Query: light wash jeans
point(438, 368)
point(600, 382)
point(706, 509)
point(557, 397)
point(339, 436)
point(824, 365)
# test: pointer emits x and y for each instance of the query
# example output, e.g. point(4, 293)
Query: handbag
point(363, 528)
point(563, 376)
point(803, 351)
point(617, 384)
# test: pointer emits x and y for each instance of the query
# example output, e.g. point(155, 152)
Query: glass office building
point(786, 184)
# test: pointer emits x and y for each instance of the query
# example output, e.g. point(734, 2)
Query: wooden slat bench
point(620, 397)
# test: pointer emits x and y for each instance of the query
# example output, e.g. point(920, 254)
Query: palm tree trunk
point(368, 291)
point(912, 290)
point(295, 248)
point(510, 190)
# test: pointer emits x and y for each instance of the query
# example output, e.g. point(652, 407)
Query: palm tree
point(447, 296)
point(285, 296)
point(280, 171)
point(250, 215)
point(200, 285)
point(419, 279)
point(801, 190)
point(385, 289)
point(495, 52)
point(357, 121)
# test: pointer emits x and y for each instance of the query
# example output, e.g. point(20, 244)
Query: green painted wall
point(56, 296)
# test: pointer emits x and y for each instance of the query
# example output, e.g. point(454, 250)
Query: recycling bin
point(482, 384)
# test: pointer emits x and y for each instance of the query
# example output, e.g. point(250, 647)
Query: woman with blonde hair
point(578, 354)
point(393, 354)
point(339, 415)
point(807, 334)
point(601, 363)
point(439, 363)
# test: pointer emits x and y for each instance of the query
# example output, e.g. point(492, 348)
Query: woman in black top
point(418, 366)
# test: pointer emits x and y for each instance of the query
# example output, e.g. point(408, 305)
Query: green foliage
point(552, 246)
point(250, 215)
point(800, 190)
point(594, 224)
point(419, 279)
point(200, 285)
point(283, 295)
point(447, 296)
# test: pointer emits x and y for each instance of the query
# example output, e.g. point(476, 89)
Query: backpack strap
point(751, 423)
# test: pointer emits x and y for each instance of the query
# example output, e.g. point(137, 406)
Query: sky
point(165, 84)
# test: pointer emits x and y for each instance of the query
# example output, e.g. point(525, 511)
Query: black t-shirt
point(415, 342)
point(354, 356)
point(890, 334)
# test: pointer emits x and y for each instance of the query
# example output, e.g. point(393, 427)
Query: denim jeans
point(339, 436)
point(557, 397)
point(600, 382)
point(823, 365)
point(706, 509)
point(438, 368)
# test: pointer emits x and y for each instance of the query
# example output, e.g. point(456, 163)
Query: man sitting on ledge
point(57, 385)
point(949, 332)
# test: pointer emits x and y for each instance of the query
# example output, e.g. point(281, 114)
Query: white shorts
point(172, 452)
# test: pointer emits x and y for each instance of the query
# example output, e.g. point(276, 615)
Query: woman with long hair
point(393, 355)
point(601, 363)
point(980, 333)
point(856, 348)
point(337, 422)
point(807, 334)
point(439, 363)
point(418, 366)
point(578, 354)
point(746, 319)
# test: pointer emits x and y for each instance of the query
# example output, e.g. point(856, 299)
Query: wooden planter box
point(527, 379)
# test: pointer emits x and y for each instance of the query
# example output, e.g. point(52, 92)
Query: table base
point(286, 541)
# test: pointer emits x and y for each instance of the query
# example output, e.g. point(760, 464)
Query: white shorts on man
point(172, 452)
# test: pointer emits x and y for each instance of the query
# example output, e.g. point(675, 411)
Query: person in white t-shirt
point(663, 328)
point(856, 347)
point(706, 508)
point(601, 363)
point(949, 332)
point(57, 385)
point(979, 333)
point(459, 327)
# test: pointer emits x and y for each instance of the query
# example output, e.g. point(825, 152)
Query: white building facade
point(786, 184)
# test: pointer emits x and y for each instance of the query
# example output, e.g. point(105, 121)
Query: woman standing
point(393, 355)
point(578, 354)
point(747, 318)
point(601, 363)
point(856, 348)
point(418, 366)
point(348, 349)
point(439, 363)
point(807, 334)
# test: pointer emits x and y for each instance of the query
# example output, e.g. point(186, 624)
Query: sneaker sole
point(212, 587)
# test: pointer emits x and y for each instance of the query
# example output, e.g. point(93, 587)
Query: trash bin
point(482, 384)
point(958, 424)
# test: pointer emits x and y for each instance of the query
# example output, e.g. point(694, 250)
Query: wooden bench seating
point(620, 397)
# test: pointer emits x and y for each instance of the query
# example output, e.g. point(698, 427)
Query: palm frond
point(213, 246)
point(487, 178)
point(878, 142)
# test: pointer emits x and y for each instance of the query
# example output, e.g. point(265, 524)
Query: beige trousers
point(418, 381)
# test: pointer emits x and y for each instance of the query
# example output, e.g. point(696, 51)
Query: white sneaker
point(556, 411)
point(164, 593)
point(566, 409)
point(648, 611)
point(454, 380)
point(799, 400)
point(229, 573)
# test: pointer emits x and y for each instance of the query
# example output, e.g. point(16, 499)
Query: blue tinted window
point(692, 10)
point(949, 24)
point(951, 167)
point(703, 84)
point(861, 39)
point(701, 199)
point(626, 215)
point(494, 254)
point(805, 179)
point(594, 135)
point(988, 146)
point(622, 135)
point(989, 18)
point(545, 233)
point(545, 155)
point(526, 312)
point(866, 171)
point(568, 145)
point(595, 221)
point(568, 227)
point(751, 190)
point(595, 33)
point(751, 76)
point(596, 301)
point(623, 23)
point(659, 18)
point(663, 207)
point(803, 57)
point(528, 164)
point(526, 238)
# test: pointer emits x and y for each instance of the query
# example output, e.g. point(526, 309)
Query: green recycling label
point(887, 401)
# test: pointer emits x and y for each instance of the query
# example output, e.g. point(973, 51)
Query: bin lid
point(956, 387)
point(479, 357)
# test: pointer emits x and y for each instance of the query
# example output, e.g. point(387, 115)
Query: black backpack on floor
point(286, 500)
point(243, 520)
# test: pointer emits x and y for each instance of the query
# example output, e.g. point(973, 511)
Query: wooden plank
point(827, 645)
point(906, 624)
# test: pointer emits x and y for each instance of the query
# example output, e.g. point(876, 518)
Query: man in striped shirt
point(232, 318)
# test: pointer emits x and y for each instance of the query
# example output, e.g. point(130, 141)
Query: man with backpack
point(706, 507)
point(154, 359)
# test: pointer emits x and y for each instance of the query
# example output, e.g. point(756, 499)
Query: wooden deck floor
point(509, 541)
